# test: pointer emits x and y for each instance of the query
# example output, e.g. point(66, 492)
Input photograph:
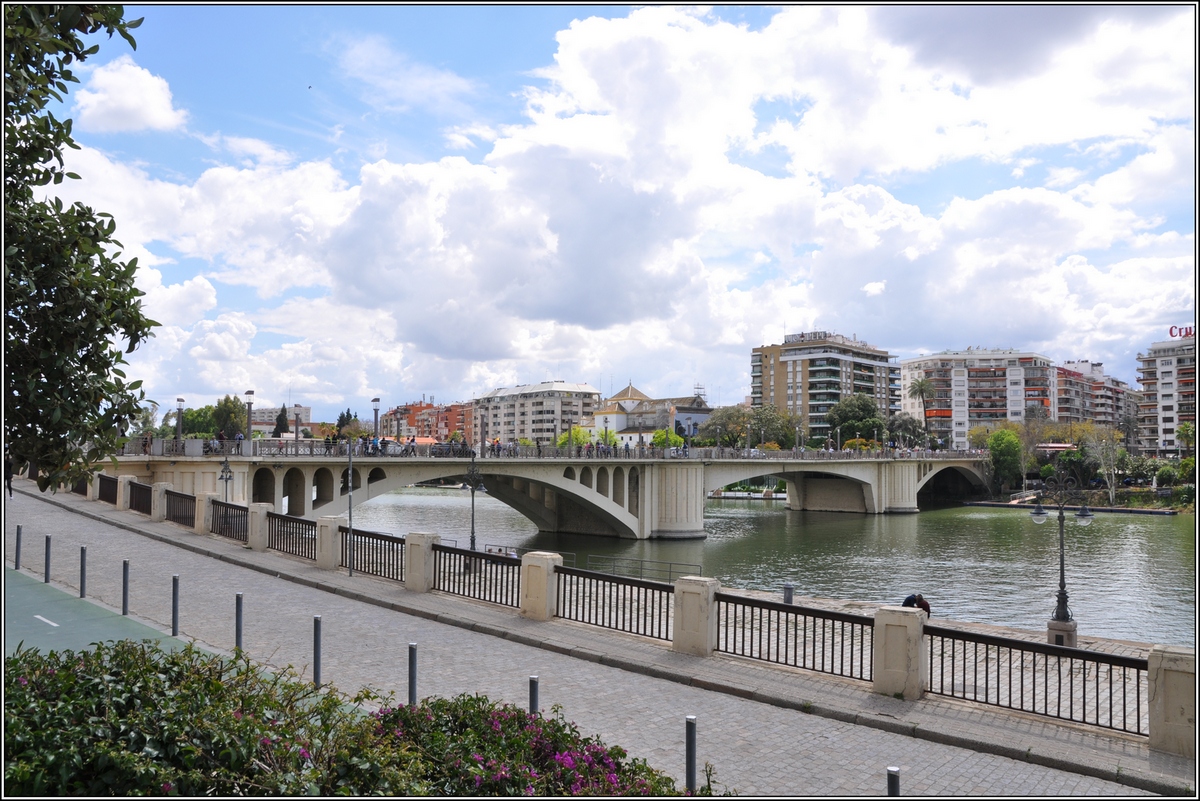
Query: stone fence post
point(258, 526)
point(418, 561)
point(539, 584)
point(329, 543)
point(93, 493)
point(1172, 688)
point(695, 630)
point(204, 511)
point(123, 492)
point(158, 501)
point(900, 665)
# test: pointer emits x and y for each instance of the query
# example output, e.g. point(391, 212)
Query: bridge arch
point(294, 492)
point(263, 486)
point(322, 487)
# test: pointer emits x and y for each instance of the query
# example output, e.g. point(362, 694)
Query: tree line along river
point(1130, 577)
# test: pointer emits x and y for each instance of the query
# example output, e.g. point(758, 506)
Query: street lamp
point(226, 476)
point(474, 481)
point(296, 411)
point(689, 435)
point(606, 427)
point(178, 421)
point(250, 418)
point(1059, 491)
point(375, 406)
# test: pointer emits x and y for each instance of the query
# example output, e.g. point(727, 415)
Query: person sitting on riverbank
point(919, 602)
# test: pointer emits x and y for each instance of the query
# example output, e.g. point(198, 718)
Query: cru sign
point(1177, 331)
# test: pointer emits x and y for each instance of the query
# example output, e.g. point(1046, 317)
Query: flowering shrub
point(132, 719)
point(477, 747)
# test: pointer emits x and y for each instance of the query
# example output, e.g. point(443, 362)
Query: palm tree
point(1186, 434)
point(923, 389)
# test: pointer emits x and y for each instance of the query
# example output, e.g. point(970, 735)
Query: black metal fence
point(374, 553)
point(814, 639)
point(140, 497)
point(230, 521)
point(646, 569)
point(1106, 690)
point(181, 508)
point(293, 535)
point(475, 574)
point(108, 488)
point(615, 602)
point(80, 487)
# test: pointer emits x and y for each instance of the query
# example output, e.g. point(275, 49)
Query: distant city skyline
point(331, 204)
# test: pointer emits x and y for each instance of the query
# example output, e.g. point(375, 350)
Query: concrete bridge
point(623, 497)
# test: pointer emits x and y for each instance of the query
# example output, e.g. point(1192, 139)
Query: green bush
point(132, 719)
point(1166, 475)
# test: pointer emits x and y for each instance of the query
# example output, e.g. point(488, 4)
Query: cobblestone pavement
point(757, 748)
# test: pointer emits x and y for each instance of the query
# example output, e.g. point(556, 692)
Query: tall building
point(810, 372)
point(537, 412)
point(1107, 400)
point(1167, 373)
point(978, 387)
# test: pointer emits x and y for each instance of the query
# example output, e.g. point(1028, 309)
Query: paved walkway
point(752, 724)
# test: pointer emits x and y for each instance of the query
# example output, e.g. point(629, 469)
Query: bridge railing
point(646, 569)
point(181, 508)
point(108, 488)
point(373, 552)
point(293, 535)
point(479, 575)
point(838, 643)
point(631, 605)
point(140, 497)
point(1091, 687)
point(230, 520)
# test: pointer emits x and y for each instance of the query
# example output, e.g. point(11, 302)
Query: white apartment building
point(262, 418)
point(978, 387)
point(1106, 400)
point(1167, 373)
point(537, 412)
point(810, 372)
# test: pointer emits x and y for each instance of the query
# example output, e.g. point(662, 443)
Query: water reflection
point(1129, 577)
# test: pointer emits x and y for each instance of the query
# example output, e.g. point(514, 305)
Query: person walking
point(8, 472)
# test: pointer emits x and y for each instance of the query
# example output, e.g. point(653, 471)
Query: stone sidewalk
point(753, 725)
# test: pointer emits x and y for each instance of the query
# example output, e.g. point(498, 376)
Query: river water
point(1129, 577)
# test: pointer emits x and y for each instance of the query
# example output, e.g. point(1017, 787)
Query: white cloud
point(874, 288)
point(393, 81)
point(122, 97)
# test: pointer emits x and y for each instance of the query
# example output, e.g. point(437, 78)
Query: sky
point(335, 203)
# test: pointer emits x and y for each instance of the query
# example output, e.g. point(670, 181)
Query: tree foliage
point(229, 415)
point(1004, 450)
point(923, 389)
point(857, 415)
point(663, 439)
point(906, 430)
point(729, 423)
point(768, 424)
point(281, 423)
point(70, 301)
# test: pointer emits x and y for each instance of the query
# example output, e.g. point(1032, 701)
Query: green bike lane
point(45, 618)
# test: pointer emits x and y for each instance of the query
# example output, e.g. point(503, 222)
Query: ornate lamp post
point(375, 406)
point(226, 476)
point(250, 419)
point(1059, 491)
point(178, 422)
point(296, 411)
point(474, 481)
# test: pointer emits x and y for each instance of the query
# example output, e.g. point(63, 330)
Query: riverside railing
point(838, 643)
point(293, 535)
point(1106, 690)
point(108, 488)
point(475, 574)
point(646, 569)
point(615, 602)
point(80, 487)
point(181, 508)
point(229, 520)
point(374, 553)
point(140, 497)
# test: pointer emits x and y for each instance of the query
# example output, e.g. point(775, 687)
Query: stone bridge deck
point(628, 494)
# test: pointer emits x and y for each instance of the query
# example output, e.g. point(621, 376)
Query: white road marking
point(51, 622)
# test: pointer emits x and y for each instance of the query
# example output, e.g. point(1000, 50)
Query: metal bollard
point(690, 757)
point(317, 650)
point(412, 674)
point(82, 571)
point(18, 559)
point(893, 785)
point(125, 587)
point(533, 695)
point(237, 617)
point(175, 605)
point(46, 580)
point(787, 592)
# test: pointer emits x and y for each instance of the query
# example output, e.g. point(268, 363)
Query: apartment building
point(537, 412)
point(1105, 400)
point(1167, 373)
point(978, 386)
point(262, 418)
point(401, 421)
point(812, 371)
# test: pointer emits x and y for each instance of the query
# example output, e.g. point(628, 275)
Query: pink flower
point(304, 753)
point(23, 681)
point(166, 787)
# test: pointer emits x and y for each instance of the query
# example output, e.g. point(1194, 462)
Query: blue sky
point(335, 203)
